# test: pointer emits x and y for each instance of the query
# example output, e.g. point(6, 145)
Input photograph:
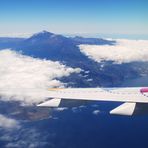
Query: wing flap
point(51, 103)
point(124, 109)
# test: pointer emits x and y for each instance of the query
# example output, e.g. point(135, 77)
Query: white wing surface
point(132, 96)
point(101, 94)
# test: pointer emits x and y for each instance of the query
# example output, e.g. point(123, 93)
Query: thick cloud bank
point(27, 79)
point(124, 51)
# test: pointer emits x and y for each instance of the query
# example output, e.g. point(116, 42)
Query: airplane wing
point(131, 96)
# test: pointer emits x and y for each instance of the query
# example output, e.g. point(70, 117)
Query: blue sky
point(74, 16)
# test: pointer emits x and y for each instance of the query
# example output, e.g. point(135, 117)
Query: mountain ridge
point(50, 46)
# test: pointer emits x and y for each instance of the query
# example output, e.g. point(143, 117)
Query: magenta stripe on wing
point(144, 90)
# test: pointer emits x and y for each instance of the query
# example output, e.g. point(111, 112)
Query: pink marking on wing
point(144, 90)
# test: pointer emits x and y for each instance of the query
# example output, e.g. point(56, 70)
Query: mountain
point(46, 45)
point(57, 47)
point(92, 41)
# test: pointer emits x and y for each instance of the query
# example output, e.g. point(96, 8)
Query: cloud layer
point(27, 79)
point(124, 51)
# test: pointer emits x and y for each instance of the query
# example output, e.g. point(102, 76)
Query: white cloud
point(27, 137)
point(124, 51)
point(74, 109)
point(60, 109)
point(8, 122)
point(27, 79)
point(82, 106)
point(96, 112)
point(89, 80)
